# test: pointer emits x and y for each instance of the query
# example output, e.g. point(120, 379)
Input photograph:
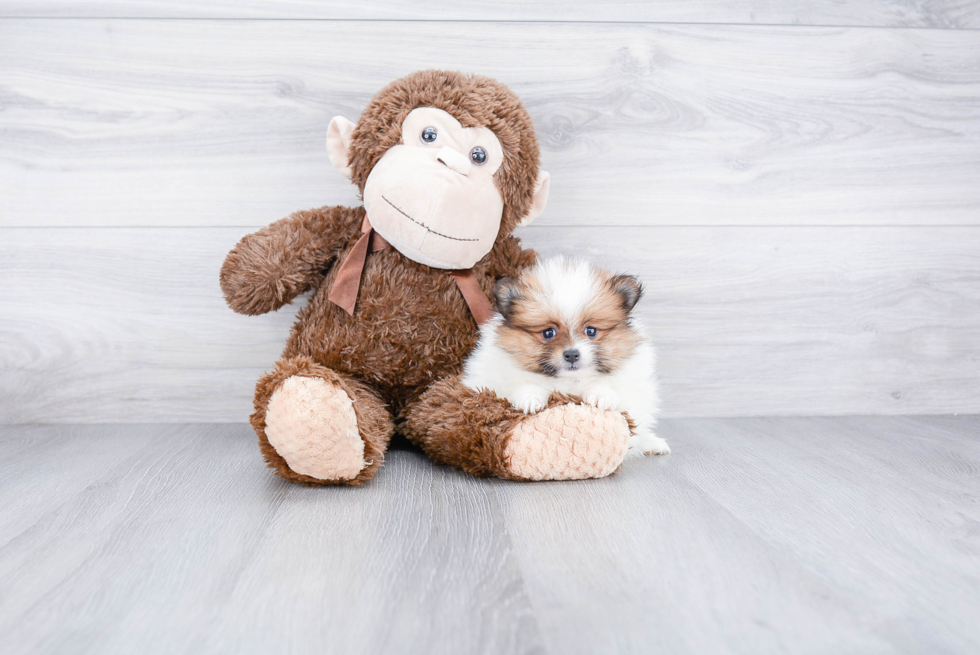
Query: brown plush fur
point(411, 325)
point(474, 101)
point(458, 426)
point(461, 427)
point(373, 421)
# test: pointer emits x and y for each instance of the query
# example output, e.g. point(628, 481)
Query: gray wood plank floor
point(810, 535)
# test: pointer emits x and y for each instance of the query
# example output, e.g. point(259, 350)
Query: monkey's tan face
point(432, 196)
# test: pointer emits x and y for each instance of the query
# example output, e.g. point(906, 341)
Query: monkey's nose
point(571, 355)
point(454, 160)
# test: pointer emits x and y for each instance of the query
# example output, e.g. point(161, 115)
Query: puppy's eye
point(429, 135)
point(591, 332)
point(549, 333)
point(478, 156)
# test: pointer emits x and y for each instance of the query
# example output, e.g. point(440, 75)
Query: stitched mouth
point(444, 236)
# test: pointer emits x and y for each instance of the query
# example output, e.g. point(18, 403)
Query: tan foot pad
point(312, 425)
point(568, 442)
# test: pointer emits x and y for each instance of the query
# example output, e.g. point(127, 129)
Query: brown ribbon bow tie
point(345, 287)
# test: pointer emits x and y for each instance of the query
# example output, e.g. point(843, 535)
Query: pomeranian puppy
point(567, 326)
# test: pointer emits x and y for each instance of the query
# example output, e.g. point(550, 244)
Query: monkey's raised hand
point(268, 268)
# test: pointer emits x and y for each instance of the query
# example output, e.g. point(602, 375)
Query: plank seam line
point(497, 21)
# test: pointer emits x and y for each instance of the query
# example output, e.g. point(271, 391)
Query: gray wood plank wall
point(878, 13)
point(799, 186)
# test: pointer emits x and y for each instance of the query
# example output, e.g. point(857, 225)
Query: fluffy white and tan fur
point(567, 326)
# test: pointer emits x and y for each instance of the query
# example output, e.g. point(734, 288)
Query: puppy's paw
point(530, 398)
point(602, 397)
point(649, 444)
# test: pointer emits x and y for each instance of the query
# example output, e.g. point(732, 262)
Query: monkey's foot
point(567, 442)
point(312, 425)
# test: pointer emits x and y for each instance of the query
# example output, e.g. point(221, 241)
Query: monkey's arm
point(269, 268)
point(508, 259)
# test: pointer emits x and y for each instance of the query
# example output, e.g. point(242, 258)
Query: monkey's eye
point(478, 156)
point(591, 332)
point(429, 135)
point(549, 333)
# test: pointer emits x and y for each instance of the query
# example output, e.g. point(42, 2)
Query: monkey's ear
point(338, 144)
point(505, 292)
point(539, 199)
point(628, 288)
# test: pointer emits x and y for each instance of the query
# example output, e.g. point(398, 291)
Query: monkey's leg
point(484, 435)
point(318, 426)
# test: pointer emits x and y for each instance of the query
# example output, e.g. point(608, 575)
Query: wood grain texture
point(129, 324)
point(765, 535)
point(206, 123)
point(881, 13)
point(185, 543)
point(922, 580)
point(756, 536)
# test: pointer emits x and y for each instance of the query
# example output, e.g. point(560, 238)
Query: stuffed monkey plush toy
point(447, 166)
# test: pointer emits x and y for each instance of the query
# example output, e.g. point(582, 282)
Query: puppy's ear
point(506, 291)
point(628, 288)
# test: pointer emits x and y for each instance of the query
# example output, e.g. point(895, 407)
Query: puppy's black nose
point(571, 355)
